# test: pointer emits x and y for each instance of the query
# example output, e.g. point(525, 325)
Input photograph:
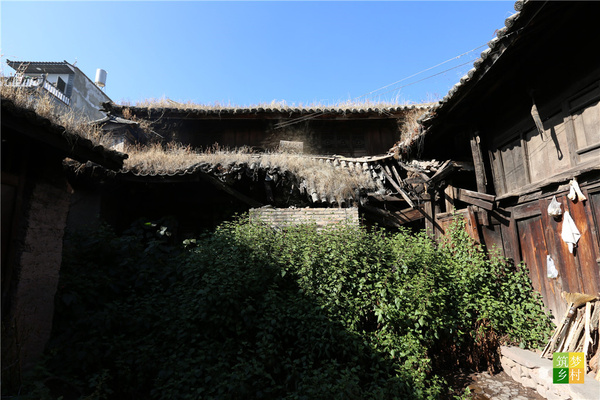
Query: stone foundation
point(527, 368)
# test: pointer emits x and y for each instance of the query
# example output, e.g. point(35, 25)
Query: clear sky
point(247, 53)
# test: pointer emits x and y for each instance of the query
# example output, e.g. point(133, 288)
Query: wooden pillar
point(428, 208)
point(478, 163)
point(449, 198)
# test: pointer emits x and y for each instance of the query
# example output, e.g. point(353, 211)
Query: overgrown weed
point(250, 312)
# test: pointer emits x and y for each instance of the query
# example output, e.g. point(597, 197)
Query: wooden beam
point(442, 171)
point(399, 189)
point(478, 163)
point(385, 197)
point(397, 175)
point(228, 189)
point(415, 170)
point(409, 214)
point(474, 198)
point(478, 195)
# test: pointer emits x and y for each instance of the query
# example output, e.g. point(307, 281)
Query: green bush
point(251, 312)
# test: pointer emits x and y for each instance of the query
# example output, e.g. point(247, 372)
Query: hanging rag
point(575, 193)
point(570, 234)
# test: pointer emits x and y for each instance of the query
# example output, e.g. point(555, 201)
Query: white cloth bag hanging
point(570, 234)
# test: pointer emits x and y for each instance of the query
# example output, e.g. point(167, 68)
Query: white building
point(65, 82)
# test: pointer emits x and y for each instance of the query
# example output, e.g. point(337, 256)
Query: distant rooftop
point(42, 67)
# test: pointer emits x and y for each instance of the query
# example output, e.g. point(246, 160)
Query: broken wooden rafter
point(397, 175)
point(385, 197)
point(399, 189)
point(442, 172)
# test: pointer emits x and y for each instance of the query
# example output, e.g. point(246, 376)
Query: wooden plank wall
point(530, 234)
point(539, 235)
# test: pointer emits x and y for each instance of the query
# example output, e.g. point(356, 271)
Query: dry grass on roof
point(164, 102)
point(318, 176)
point(46, 106)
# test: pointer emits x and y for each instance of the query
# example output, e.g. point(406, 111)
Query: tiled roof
point(266, 111)
point(45, 131)
point(37, 67)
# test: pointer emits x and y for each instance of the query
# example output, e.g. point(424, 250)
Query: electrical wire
point(420, 72)
point(427, 77)
point(313, 115)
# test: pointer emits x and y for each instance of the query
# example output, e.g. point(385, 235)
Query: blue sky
point(246, 53)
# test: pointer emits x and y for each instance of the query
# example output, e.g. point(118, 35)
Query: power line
point(423, 71)
point(427, 77)
point(313, 115)
point(316, 114)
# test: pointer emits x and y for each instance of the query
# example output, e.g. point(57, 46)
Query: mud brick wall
point(322, 217)
point(39, 267)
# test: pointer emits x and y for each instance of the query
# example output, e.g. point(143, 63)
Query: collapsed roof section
point(392, 193)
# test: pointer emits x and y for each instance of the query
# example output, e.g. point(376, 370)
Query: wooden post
point(473, 224)
point(449, 198)
point(478, 163)
point(429, 214)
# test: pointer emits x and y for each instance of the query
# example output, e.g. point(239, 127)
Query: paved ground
point(500, 387)
point(485, 386)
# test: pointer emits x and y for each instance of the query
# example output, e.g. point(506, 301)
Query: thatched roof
point(26, 122)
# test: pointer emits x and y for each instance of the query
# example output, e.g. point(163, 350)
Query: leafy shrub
point(250, 312)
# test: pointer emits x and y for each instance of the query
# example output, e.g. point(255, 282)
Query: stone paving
point(499, 387)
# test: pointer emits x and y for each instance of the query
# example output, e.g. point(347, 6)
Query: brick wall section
point(39, 269)
point(322, 217)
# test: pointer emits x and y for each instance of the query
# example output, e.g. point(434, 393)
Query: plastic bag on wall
point(552, 272)
point(554, 208)
point(570, 234)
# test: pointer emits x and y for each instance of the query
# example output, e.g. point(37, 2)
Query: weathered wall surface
point(87, 97)
point(527, 233)
point(322, 217)
point(39, 266)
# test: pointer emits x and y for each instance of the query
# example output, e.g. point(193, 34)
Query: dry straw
point(46, 106)
point(321, 177)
